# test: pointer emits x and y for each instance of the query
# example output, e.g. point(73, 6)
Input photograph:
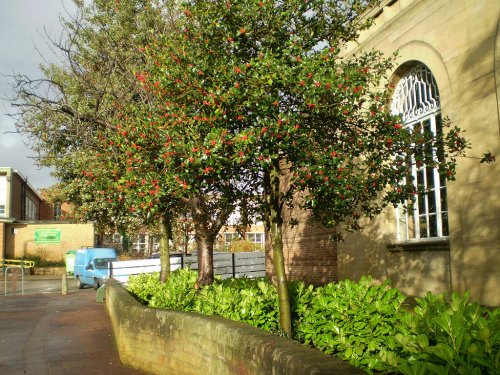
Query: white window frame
point(3, 196)
point(416, 100)
point(230, 237)
point(252, 237)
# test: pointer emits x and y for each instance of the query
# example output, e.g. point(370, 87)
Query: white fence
point(226, 265)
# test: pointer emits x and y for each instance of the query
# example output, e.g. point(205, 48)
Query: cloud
point(22, 24)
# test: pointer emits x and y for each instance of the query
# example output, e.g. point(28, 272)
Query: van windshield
point(103, 263)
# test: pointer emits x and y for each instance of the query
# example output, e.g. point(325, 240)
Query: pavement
point(45, 332)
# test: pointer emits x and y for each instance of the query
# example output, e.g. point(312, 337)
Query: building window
point(257, 239)
point(230, 237)
point(31, 209)
point(416, 100)
point(139, 243)
point(57, 211)
point(3, 195)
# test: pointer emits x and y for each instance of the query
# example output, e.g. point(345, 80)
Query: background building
point(29, 226)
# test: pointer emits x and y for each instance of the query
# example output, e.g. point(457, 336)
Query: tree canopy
point(247, 102)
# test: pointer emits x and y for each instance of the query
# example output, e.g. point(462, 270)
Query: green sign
point(47, 235)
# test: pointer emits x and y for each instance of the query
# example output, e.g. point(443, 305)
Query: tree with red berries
point(252, 102)
point(164, 166)
point(259, 91)
point(74, 104)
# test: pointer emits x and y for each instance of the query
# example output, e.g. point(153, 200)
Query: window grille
point(416, 95)
point(416, 100)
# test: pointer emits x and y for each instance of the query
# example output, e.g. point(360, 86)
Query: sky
point(22, 24)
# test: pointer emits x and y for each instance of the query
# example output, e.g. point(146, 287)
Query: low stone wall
point(54, 271)
point(175, 342)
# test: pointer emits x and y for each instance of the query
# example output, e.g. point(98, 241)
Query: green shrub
point(253, 301)
point(241, 246)
point(177, 293)
point(301, 296)
point(352, 320)
point(144, 286)
point(447, 338)
point(363, 323)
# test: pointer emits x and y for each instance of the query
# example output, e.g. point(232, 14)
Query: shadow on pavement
point(49, 333)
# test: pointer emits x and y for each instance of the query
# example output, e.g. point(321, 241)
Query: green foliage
point(144, 286)
point(447, 338)
point(243, 246)
point(301, 296)
point(361, 322)
point(178, 292)
point(253, 301)
point(352, 320)
point(246, 300)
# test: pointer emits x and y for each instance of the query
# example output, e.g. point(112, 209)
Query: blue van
point(92, 266)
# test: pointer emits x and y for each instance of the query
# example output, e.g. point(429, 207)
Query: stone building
point(448, 66)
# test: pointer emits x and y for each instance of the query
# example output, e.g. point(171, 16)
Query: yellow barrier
point(15, 263)
point(8, 264)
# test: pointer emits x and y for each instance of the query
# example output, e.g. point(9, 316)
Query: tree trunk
point(164, 228)
point(205, 247)
point(100, 238)
point(276, 226)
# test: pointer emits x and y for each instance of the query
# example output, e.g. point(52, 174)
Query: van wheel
point(96, 284)
point(79, 283)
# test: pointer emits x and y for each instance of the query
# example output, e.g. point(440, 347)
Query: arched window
point(416, 100)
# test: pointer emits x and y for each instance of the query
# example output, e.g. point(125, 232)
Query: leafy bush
point(178, 292)
point(447, 338)
point(241, 246)
point(363, 323)
point(253, 301)
point(144, 286)
point(301, 296)
point(352, 320)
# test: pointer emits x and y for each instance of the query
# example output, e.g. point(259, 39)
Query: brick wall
point(310, 254)
point(46, 211)
point(20, 239)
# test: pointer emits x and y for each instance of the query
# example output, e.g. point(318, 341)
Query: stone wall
point(174, 342)
point(458, 40)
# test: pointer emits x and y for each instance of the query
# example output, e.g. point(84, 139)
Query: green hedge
point(362, 322)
